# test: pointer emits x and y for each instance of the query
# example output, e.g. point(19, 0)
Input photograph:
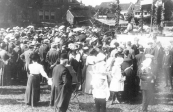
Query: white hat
point(46, 41)
point(61, 27)
point(118, 61)
point(100, 57)
point(146, 62)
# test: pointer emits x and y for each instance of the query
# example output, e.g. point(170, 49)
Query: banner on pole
point(146, 2)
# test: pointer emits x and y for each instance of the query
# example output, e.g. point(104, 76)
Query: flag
point(146, 2)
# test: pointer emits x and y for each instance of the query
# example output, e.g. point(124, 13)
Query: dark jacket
point(158, 56)
point(167, 61)
point(126, 67)
point(43, 51)
point(53, 57)
point(147, 79)
point(136, 49)
point(62, 81)
point(138, 59)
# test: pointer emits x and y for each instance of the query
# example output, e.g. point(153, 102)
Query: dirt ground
point(12, 100)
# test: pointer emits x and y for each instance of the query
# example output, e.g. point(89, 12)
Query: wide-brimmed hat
point(146, 62)
point(31, 45)
point(100, 57)
point(46, 41)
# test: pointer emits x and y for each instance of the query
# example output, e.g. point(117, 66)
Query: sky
point(98, 2)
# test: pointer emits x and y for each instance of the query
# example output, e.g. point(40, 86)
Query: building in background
point(53, 11)
point(79, 16)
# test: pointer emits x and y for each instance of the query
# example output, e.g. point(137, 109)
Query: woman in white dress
point(117, 82)
point(32, 93)
point(90, 61)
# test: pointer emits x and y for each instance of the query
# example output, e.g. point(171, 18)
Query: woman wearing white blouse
point(32, 94)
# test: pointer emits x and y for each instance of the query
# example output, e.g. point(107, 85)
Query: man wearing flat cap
point(25, 57)
point(43, 50)
point(52, 57)
point(16, 61)
point(61, 86)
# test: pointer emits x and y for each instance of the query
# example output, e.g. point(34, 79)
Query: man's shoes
point(116, 101)
point(112, 102)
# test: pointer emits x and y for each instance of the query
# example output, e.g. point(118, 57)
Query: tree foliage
point(10, 8)
point(168, 10)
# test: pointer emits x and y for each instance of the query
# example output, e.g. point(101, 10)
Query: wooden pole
point(142, 18)
point(118, 16)
point(151, 24)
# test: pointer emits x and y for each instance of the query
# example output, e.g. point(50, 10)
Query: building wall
point(52, 11)
point(70, 17)
point(137, 14)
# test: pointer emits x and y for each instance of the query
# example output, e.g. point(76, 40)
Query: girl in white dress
point(90, 61)
point(117, 82)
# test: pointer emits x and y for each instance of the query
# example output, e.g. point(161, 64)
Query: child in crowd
point(101, 93)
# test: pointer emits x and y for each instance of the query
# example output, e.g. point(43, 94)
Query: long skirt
point(5, 74)
point(89, 77)
point(32, 94)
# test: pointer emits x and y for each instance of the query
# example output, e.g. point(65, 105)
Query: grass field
point(12, 100)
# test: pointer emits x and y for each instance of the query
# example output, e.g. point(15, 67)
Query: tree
point(9, 8)
point(168, 10)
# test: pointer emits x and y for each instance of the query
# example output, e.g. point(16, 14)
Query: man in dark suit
point(167, 61)
point(127, 69)
point(16, 61)
point(147, 83)
point(136, 46)
point(53, 57)
point(44, 48)
point(25, 57)
point(158, 58)
point(61, 86)
point(150, 49)
point(138, 61)
point(139, 58)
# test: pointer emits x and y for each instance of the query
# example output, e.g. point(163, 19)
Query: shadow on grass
point(16, 90)
point(166, 98)
point(90, 107)
point(7, 91)
point(43, 104)
point(10, 102)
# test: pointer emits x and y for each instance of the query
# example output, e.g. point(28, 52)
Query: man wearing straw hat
point(147, 82)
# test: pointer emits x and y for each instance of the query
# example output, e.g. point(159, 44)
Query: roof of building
point(111, 22)
point(107, 5)
point(125, 6)
point(137, 7)
point(80, 13)
point(110, 15)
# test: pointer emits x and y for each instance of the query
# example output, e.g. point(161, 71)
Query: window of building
point(46, 15)
point(52, 15)
point(41, 15)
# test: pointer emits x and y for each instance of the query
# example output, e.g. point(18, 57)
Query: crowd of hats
point(73, 38)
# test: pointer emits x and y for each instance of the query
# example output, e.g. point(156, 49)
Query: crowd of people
point(82, 59)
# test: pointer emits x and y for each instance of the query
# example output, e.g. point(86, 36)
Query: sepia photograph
point(86, 55)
